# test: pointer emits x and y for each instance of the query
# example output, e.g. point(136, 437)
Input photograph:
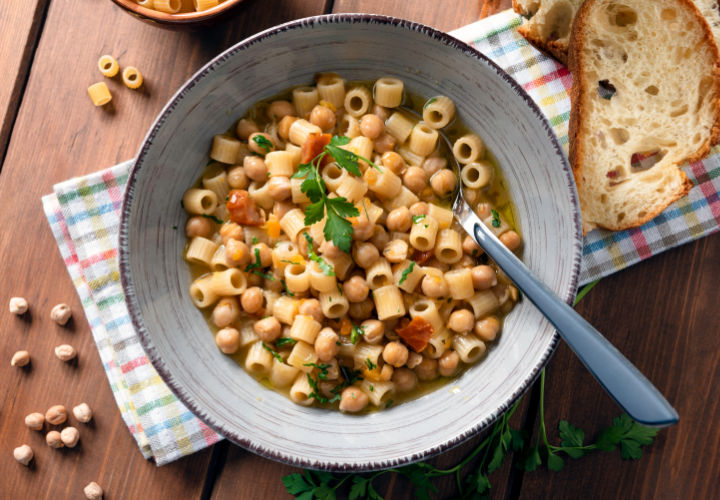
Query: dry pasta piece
point(132, 78)
point(99, 94)
point(201, 5)
point(169, 6)
point(416, 333)
point(108, 66)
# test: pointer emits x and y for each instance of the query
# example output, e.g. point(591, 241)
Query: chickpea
point(70, 436)
point(237, 253)
point(323, 117)
point(326, 346)
point(65, 352)
point(353, 400)
point(373, 331)
point(483, 210)
point(488, 328)
point(465, 262)
point(35, 421)
point(396, 251)
point(274, 284)
point(395, 353)
point(198, 226)
point(93, 491)
point(380, 237)
point(264, 252)
point(281, 208)
point(245, 128)
point(483, 277)
point(443, 182)
point(434, 164)
point(461, 321)
point(20, 358)
point(448, 363)
point(56, 415)
point(228, 340)
point(253, 279)
point(231, 231)
point(419, 208)
point(399, 220)
point(279, 187)
point(329, 250)
point(404, 379)
point(355, 289)
point(394, 162)
point(471, 196)
point(361, 310)
point(440, 266)
point(362, 229)
point(54, 439)
point(385, 143)
point(427, 369)
point(380, 112)
point(255, 168)
point(254, 144)
point(511, 240)
point(414, 359)
point(415, 179)
point(434, 284)
point(371, 126)
point(225, 312)
point(18, 305)
point(83, 413)
point(284, 126)
point(251, 300)
point(471, 247)
point(268, 329)
point(23, 454)
point(277, 110)
point(236, 177)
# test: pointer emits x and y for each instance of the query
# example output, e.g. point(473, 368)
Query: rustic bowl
point(180, 20)
point(156, 279)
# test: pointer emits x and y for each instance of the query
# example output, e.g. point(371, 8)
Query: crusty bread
point(547, 22)
point(646, 82)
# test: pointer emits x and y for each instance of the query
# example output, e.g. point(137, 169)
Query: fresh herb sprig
point(326, 268)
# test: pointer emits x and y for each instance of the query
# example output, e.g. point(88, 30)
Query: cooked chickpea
point(254, 143)
point(264, 252)
point(268, 329)
point(371, 126)
point(471, 247)
point(461, 321)
point(353, 400)
point(198, 226)
point(329, 250)
point(483, 210)
point(255, 168)
point(483, 277)
point(443, 182)
point(279, 187)
point(245, 128)
point(393, 161)
point(237, 253)
point(274, 284)
point(380, 112)
point(355, 289)
point(281, 208)
point(54, 439)
point(70, 436)
point(373, 331)
point(419, 208)
point(362, 229)
point(385, 143)
point(399, 220)
point(326, 344)
point(487, 328)
point(415, 179)
point(361, 310)
point(93, 491)
point(511, 240)
point(23, 454)
point(434, 164)
point(311, 307)
point(228, 340)
point(277, 110)
point(396, 251)
point(404, 379)
point(20, 358)
point(225, 312)
point(414, 359)
point(323, 117)
point(395, 353)
point(83, 413)
point(434, 285)
point(380, 237)
point(448, 363)
point(284, 126)
point(465, 262)
point(253, 279)
point(236, 177)
point(427, 369)
point(251, 300)
point(231, 231)
point(35, 421)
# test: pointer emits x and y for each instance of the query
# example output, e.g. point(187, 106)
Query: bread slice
point(547, 22)
point(645, 98)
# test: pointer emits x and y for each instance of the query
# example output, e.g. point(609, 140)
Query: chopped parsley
point(356, 332)
point(406, 272)
point(285, 289)
point(370, 364)
point(254, 267)
point(283, 341)
point(418, 218)
point(263, 142)
point(495, 218)
point(175, 228)
point(389, 403)
point(254, 240)
point(371, 387)
point(430, 102)
point(326, 268)
point(272, 351)
point(323, 367)
point(213, 218)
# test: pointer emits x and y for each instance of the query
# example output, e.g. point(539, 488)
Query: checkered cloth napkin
point(84, 216)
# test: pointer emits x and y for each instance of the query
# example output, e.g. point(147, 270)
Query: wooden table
point(663, 314)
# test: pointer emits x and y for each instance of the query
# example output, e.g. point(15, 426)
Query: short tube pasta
point(379, 393)
point(282, 375)
point(388, 92)
point(201, 251)
point(388, 302)
point(440, 342)
point(483, 303)
point(469, 347)
point(334, 304)
point(216, 181)
point(108, 66)
point(99, 94)
point(281, 163)
point(423, 233)
point(460, 283)
point(384, 184)
point(199, 201)
point(301, 390)
point(448, 246)
point(379, 274)
point(423, 139)
point(357, 101)
point(476, 175)
point(284, 309)
point(438, 112)
point(399, 126)
point(131, 76)
point(229, 282)
point(201, 5)
point(201, 293)
point(427, 309)
point(258, 360)
point(443, 216)
point(304, 99)
point(469, 148)
point(331, 88)
point(300, 130)
point(292, 223)
point(297, 278)
point(324, 283)
point(304, 328)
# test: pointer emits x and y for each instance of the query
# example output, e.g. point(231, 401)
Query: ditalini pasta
point(178, 6)
point(323, 247)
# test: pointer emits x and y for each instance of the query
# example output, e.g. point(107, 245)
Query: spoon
point(619, 377)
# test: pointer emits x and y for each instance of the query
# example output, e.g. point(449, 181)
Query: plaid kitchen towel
point(84, 215)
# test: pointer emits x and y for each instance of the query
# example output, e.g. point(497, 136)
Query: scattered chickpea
point(487, 328)
point(483, 277)
point(380, 237)
point(395, 353)
point(255, 168)
point(511, 240)
point(356, 289)
point(362, 309)
point(399, 220)
point(236, 177)
point(371, 126)
point(419, 208)
point(448, 363)
point(415, 179)
point(434, 164)
point(404, 379)
point(264, 252)
point(93, 491)
point(284, 126)
point(198, 226)
point(461, 321)
point(70, 436)
point(65, 352)
point(396, 251)
point(54, 439)
point(326, 344)
point(228, 340)
point(279, 188)
point(393, 161)
point(471, 247)
point(83, 413)
point(56, 415)
point(427, 369)
point(434, 285)
point(237, 253)
point(373, 331)
point(20, 358)
point(443, 182)
point(365, 254)
point(18, 305)
point(353, 400)
point(323, 117)
point(245, 128)
point(381, 112)
point(23, 454)
point(268, 329)
point(362, 229)
point(311, 307)
point(35, 421)
point(414, 359)
point(231, 231)
point(281, 208)
point(385, 143)
point(280, 109)
point(225, 312)
point(257, 148)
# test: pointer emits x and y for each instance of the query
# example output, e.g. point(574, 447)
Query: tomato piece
point(416, 333)
point(242, 209)
point(313, 146)
point(422, 258)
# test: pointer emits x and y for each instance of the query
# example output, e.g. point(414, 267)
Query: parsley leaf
point(326, 268)
point(283, 341)
point(406, 272)
point(495, 218)
point(356, 332)
point(339, 140)
point(345, 159)
point(254, 265)
point(213, 218)
point(323, 367)
point(370, 364)
point(272, 351)
point(337, 228)
point(263, 142)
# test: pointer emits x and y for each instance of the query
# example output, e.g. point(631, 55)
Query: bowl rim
point(180, 18)
point(134, 308)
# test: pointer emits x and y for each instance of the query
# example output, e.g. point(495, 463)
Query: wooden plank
point(668, 311)
point(20, 22)
point(59, 134)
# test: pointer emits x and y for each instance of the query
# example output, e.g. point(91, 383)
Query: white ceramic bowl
point(156, 279)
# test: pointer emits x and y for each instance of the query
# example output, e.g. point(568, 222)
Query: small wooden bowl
point(180, 20)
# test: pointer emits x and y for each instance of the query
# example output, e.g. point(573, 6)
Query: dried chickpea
point(254, 144)
point(404, 379)
point(255, 168)
point(245, 128)
point(70, 436)
point(54, 439)
point(399, 220)
point(231, 231)
point(415, 179)
point(268, 329)
point(18, 305)
point(353, 400)
point(23, 454)
point(323, 117)
point(225, 312)
point(443, 182)
point(511, 240)
point(487, 328)
point(93, 491)
point(395, 353)
point(236, 177)
point(20, 358)
point(371, 126)
point(326, 346)
point(198, 226)
point(83, 413)
point(448, 363)
point(356, 289)
point(277, 110)
point(65, 352)
point(483, 277)
point(311, 307)
point(393, 161)
point(251, 300)
point(35, 421)
point(56, 415)
point(61, 314)
point(461, 321)
point(228, 340)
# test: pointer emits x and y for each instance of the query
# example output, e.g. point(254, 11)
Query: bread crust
point(577, 92)
point(553, 48)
